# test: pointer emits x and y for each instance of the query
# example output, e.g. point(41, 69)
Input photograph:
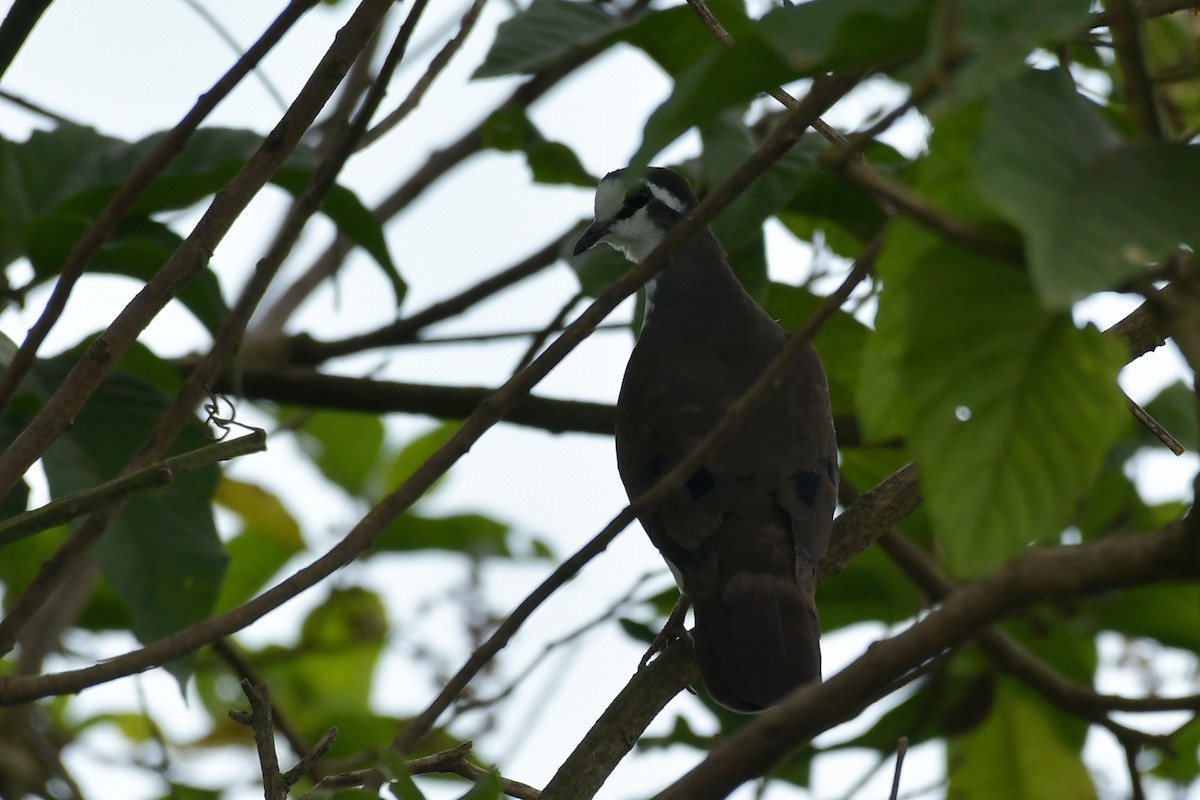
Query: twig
point(305, 350)
point(1154, 426)
point(1112, 562)
point(1007, 653)
point(59, 410)
point(901, 751)
point(245, 670)
point(17, 689)
point(273, 319)
point(259, 720)
point(164, 472)
point(1126, 25)
point(192, 255)
point(454, 762)
point(224, 34)
point(436, 65)
point(107, 221)
point(556, 324)
point(18, 24)
point(36, 108)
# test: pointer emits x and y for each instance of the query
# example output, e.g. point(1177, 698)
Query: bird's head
point(634, 212)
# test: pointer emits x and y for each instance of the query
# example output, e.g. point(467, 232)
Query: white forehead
point(610, 196)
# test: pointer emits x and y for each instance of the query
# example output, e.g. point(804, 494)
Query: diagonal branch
point(1114, 562)
point(20, 689)
point(102, 228)
point(192, 255)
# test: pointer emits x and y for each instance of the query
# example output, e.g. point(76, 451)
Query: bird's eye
point(637, 200)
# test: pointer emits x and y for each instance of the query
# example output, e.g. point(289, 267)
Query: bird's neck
point(697, 285)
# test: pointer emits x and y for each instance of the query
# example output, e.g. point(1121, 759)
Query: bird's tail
point(756, 641)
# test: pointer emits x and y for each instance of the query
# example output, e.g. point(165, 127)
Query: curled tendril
point(223, 424)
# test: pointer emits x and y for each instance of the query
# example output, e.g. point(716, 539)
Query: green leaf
point(1183, 765)
point(1008, 408)
point(137, 249)
point(1168, 614)
point(1054, 167)
point(1176, 409)
point(543, 32)
point(72, 173)
point(1018, 749)
point(728, 142)
point(418, 451)
point(464, 533)
point(840, 341)
point(269, 538)
point(998, 37)
point(162, 554)
point(508, 129)
point(799, 41)
point(402, 786)
point(487, 788)
point(345, 446)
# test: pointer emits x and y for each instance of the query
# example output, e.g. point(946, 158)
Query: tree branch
point(106, 222)
point(192, 255)
point(1114, 562)
point(66, 508)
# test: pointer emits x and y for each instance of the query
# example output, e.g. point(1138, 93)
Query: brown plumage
point(745, 533)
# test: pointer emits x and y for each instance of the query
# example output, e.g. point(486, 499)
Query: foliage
point(1061, 166)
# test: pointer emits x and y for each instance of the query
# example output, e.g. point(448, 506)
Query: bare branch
point(192, 255)
point(66, 508)
point(170, 146)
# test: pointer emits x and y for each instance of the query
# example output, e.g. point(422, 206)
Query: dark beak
point(593, 234)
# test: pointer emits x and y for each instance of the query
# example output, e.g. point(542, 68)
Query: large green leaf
point(1095, 211)
point(138, 248)
point(992, 41)
point(728, 142)
point(1169, 614)
point(799, 41)
point(541, 33)
point(840, 341)
point(473, 534)
point(1008, 408)
point(508, 129)
point(1017, 752)
point(72, 172)
point(162, 554)
point(345, 446)
point(269, 538)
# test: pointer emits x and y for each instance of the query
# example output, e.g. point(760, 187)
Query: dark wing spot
point(806, 483)
point(700, 483)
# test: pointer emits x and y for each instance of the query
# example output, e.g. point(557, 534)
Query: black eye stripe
point(634, 202)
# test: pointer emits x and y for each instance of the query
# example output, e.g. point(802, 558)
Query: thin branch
point(226, 651)
point(1125, 22)
point(1113, 562)
point(106, 222)
point(436, 65)
point(224, 34)
point(36, 108)
point(1007, 653)
point(901, 751)
point(556, 324)
point(455, 762)
point(307, 351)
point(67, 508)
point(259, 720)
point(192, 255)
point(19, 689)
point(17, 25)
point(272, 320)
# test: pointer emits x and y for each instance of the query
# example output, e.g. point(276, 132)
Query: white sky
point(134, 67)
